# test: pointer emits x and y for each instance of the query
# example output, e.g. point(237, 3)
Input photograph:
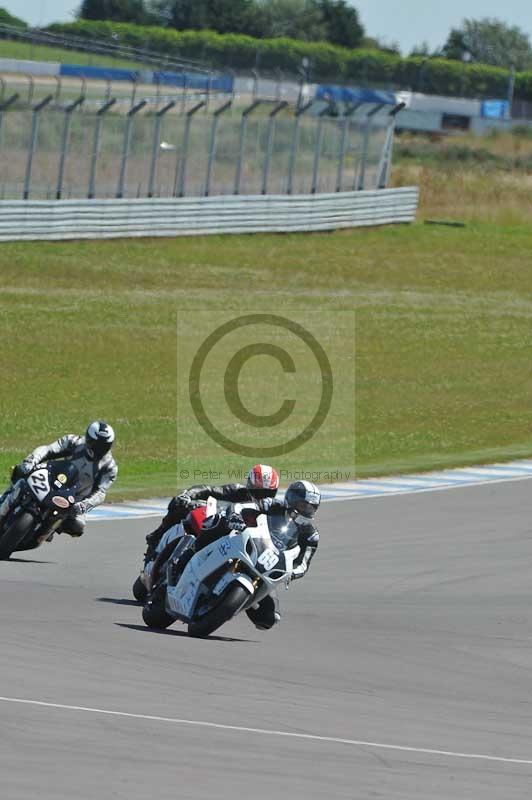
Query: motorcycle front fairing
point(249, 558)
point(48, 493)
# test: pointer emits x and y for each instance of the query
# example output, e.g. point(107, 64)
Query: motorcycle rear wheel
point(15, 533)
point(233, 600)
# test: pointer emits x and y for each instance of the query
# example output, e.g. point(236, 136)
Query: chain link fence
point(187, 146)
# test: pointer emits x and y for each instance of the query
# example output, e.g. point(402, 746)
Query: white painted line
point(267, 732)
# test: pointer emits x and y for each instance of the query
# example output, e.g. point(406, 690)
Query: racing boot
point(152, 540)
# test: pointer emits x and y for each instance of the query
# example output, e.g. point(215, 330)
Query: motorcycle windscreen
point(284, 533)
point(64, 476)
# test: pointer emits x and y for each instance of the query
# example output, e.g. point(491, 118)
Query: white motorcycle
point(144, 583)
point(225, 577)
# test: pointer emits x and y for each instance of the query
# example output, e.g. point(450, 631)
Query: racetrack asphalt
point(413, 629)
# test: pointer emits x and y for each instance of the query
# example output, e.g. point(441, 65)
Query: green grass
point(443, 346)
point(29, 52)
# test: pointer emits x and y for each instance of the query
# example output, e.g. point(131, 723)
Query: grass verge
point(443, 345)
point(34, 52)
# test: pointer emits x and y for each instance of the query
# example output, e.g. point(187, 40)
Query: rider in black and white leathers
point(95, 477)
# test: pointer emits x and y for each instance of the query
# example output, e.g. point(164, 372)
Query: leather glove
point(180, 502)
point(79, 508)
point(236, 523)
point(25, 468)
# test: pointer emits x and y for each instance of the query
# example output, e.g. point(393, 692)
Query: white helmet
point(99, 438)
point(303, 497)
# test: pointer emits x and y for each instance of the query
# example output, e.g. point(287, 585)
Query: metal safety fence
point(22, 220)
point(187, 145)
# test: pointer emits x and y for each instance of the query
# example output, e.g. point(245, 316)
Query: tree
point(489, 41)
point(223, 16)
point(116, 11)
point(8, 19)
point(297, 19)
point(424, 50)
point(343, 26)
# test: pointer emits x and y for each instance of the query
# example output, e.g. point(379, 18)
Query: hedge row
point(328, 62)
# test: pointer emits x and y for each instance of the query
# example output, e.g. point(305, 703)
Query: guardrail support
point(269, 145)
point(242, 142)
point(33, 142)
point(96, 146)
point(212, 149)
point(181, 164)
point(127, 141)
point(295, 145)
point(64, 145)
point(156, 145)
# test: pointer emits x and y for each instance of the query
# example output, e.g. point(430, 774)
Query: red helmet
point(262, 481)
point(194, 520)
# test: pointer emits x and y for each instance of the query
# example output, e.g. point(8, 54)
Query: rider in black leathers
point(261, 484)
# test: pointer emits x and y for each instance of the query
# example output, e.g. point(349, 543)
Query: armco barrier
point(104, 219)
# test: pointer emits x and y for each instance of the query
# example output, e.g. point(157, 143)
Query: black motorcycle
point(46, 497)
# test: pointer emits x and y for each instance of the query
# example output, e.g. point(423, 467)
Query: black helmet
point(303, 497)
point(99, 438)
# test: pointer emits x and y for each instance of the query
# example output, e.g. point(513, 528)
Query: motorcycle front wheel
point(140, 592)
point(15, 533)
point(156, 617)
point(212, 620)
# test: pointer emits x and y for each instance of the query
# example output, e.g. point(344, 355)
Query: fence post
point(317, 151)
point(242, 141)
point(209, 90)
point(385, 164)
point(181, 165)
point(125, 152)
point(269, 144)
point(359, 185)
point(64, 144)
point(57, 88)
point(255, 90)
point(278, 85)
point(3, 107)
point(96, 147)
point(295, 145)
point(156, 144)
point(184, 95)
point(33, 141)
point(212, 150)
point(343, 144)
point(134, 91)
